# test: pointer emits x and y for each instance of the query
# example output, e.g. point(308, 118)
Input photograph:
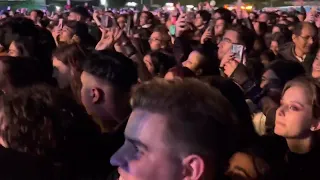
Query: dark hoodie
point(286, 52)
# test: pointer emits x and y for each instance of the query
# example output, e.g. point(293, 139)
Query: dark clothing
point(16, 166)
point(286, 52)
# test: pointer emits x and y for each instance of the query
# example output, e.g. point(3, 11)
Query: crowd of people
point(160, 95)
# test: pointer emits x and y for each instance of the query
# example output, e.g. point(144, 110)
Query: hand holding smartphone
point(237, 50)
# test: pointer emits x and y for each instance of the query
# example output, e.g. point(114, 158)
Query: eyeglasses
point(308, 38)
point(154, 39)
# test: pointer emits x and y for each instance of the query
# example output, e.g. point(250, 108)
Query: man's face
point(306, 40)
point(143, 19)
point(33, 16)
point(229, 38)
point(74, 17)
point(263, 18)
point(198, 22)
point(144, 156)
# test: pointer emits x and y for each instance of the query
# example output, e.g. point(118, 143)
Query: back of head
point(112, 67)
point(20, 72)
point(286, 70)
point(82, 11)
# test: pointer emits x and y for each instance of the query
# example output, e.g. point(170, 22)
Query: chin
point(278, 131)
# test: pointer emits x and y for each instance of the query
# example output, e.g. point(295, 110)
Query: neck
point(300, 146)
point(298, 52)
point(200, 27)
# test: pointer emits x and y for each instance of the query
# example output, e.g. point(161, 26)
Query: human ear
point(315, 126)
point(193, 167)
point(96, 95)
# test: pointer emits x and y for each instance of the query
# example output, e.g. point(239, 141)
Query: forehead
point(232, 35)
point(296, 93)
point(156, 34)
point(142, 124)
point(220, 21)
point(308, 30)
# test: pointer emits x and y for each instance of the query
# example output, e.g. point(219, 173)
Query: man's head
point(36, 16)
point(159, 39)
point(304, 37)
point(236, 35)
point(145, 18)
point(264, 17)
point(106, 80)
point(202, 19)
point(78, 13)
point(174, 132)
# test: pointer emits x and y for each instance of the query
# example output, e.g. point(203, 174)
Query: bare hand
point(181, 25)
point(206, 35)
point(230, 67)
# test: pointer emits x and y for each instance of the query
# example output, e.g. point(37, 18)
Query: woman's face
point(121, 22)
point(268, 77)
point(316, 66)
point(66, 34)
point(274, 47)
point(13, 50)
point(61, 73)
point(148, 62)
point(294, 116)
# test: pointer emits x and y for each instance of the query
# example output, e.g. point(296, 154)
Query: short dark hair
point(299, 26)
point(225, 14)
point(113, 67)
point(199, 116)
point(40, 14)
point(206, 16)
point(246, 36)
point(82, 11)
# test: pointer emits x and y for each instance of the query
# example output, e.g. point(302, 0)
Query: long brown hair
point(72, 55)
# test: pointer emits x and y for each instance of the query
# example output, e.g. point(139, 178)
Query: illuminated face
point(294, 116)
point(145, 157)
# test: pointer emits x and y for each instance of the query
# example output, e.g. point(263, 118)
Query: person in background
point(67, 61)
point(201, 22)
point(302, 49)
point(316, 66)
point(36, 16)
point(159, 39)
point(107, 79)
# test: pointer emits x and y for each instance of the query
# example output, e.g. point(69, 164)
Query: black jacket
point(16, 166)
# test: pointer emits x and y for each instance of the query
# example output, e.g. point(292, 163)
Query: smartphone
point(211, 25)
point(237, 50)
point(172, 30)
point(106, 21)
point(60, 25)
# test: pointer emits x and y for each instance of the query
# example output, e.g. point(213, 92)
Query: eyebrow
point(137, 142)
point(298, 103)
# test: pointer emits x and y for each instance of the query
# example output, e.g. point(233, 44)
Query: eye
point(293, 108)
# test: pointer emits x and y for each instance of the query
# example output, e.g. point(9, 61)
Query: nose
point(281, 110)
point(117, 159)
